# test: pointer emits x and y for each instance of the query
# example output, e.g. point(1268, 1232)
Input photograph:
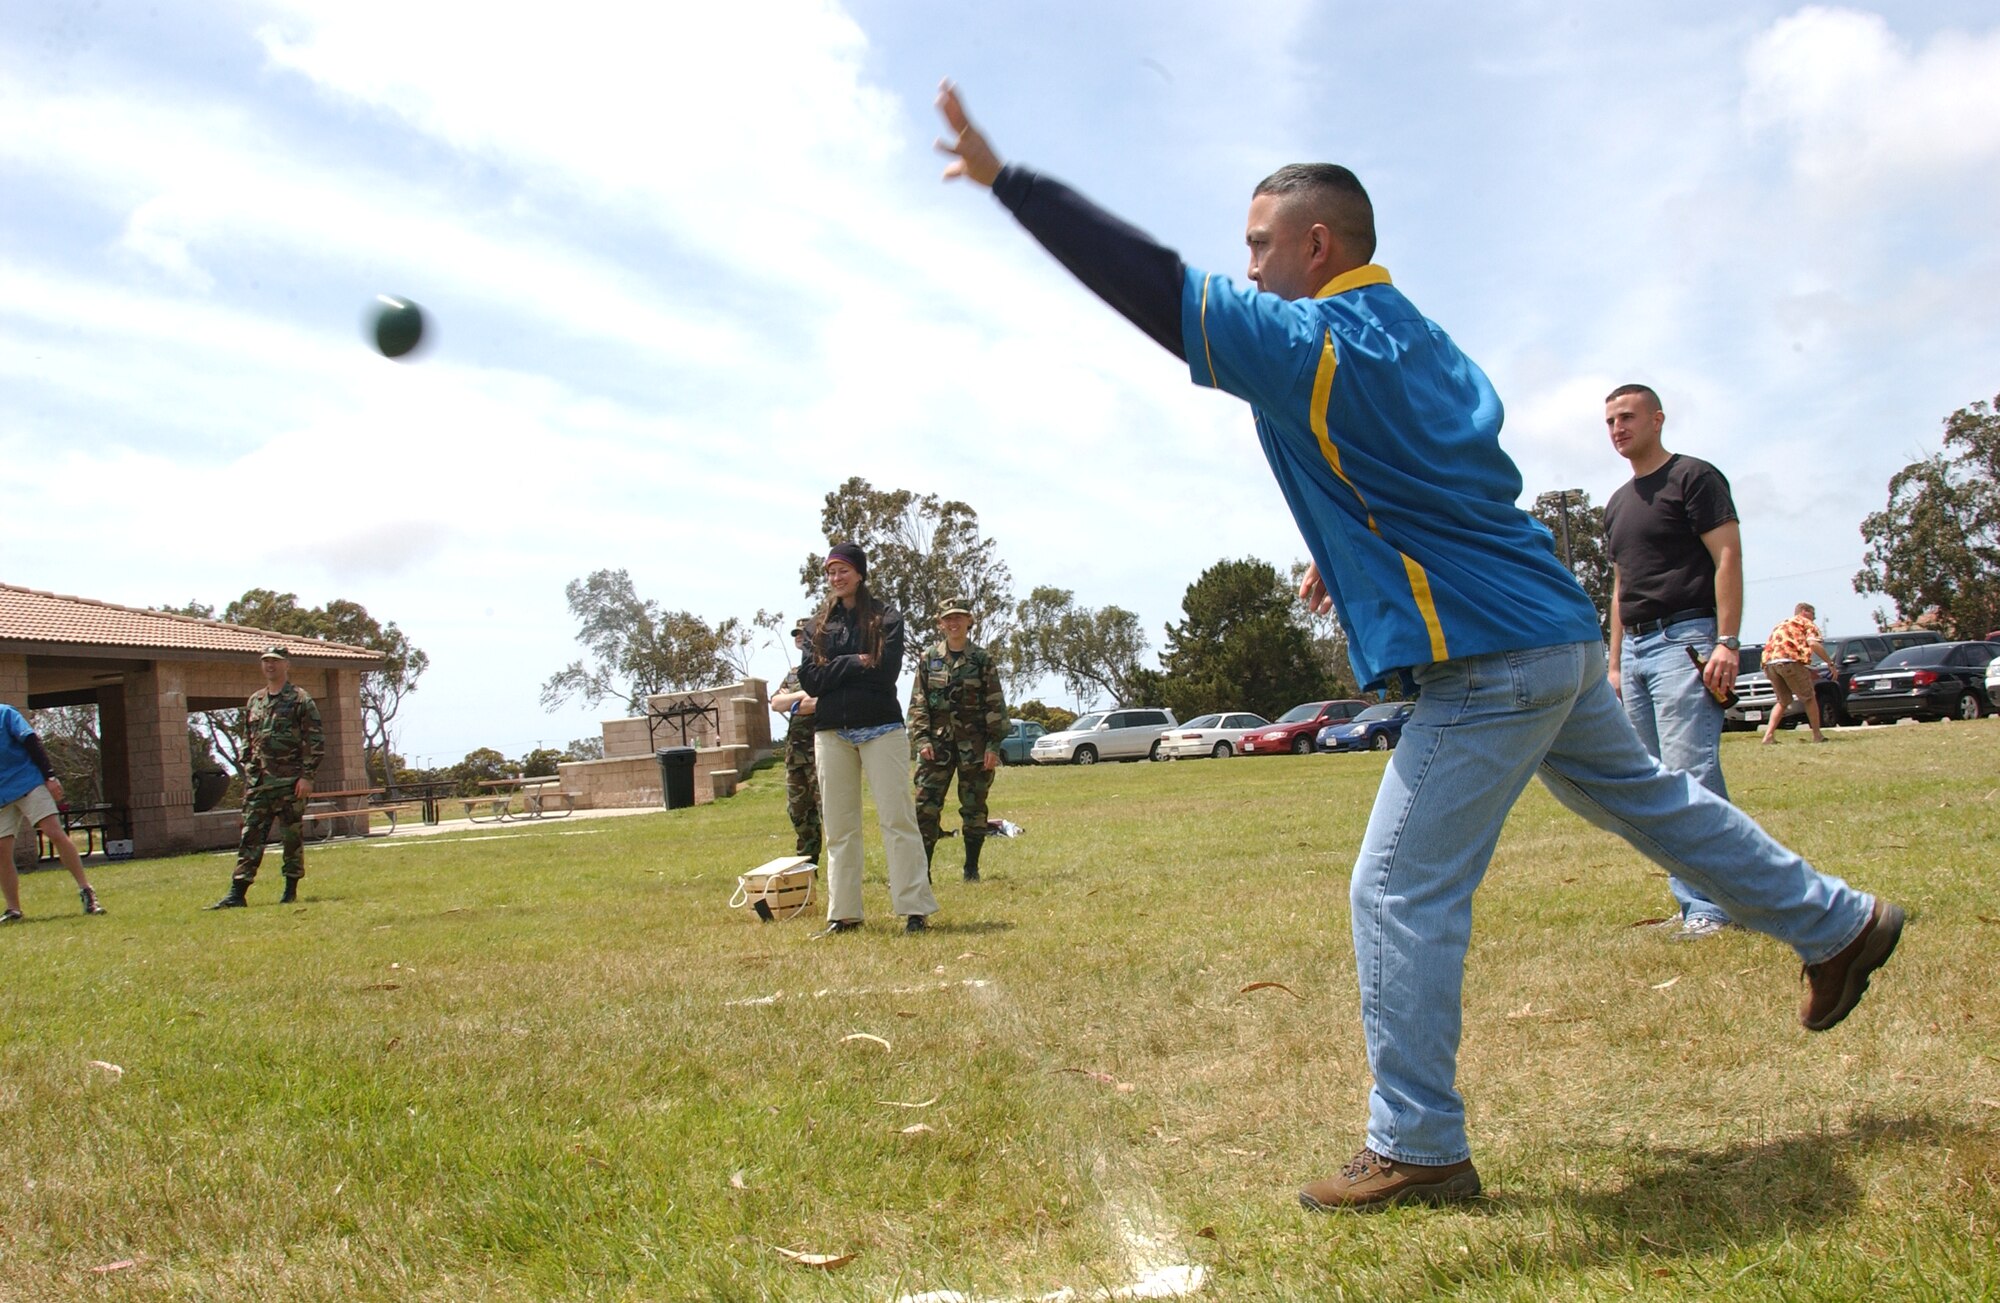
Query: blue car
point(1377, 728)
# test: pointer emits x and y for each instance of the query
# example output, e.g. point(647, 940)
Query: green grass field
point(548, 1062)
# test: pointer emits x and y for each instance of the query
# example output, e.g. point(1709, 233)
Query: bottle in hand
point(1723, 699)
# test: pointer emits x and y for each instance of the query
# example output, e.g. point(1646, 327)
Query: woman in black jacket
point(852, 656)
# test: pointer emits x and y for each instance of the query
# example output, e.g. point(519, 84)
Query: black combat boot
point(235, 898)
point(930, 849)
point(973, 844)
point(291, 895)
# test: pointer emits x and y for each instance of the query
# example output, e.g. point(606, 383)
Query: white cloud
point(1864, 112)
point(689, 267)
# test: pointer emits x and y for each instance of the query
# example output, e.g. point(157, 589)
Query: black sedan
point(1940, 680)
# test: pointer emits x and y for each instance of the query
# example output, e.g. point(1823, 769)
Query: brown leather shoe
point(1371, 1180)
point(1835, 986)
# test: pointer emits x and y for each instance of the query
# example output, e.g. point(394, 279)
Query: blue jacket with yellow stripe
point(1383, 436)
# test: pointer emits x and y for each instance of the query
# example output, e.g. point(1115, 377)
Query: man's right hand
point(1312, 591)
point(927, 753)
point(972, 157)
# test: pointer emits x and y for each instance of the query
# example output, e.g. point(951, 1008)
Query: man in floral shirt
point(1787, 654)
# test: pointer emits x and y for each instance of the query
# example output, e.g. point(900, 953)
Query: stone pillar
point(344, 767)
point(160, 778)
point(114, 756)
point(14, 681)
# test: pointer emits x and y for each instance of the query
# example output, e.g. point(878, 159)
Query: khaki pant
point(886, 762)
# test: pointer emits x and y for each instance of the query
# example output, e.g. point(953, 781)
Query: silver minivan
point(1127, 733)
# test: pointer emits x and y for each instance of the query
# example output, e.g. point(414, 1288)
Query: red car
point(1297, 727)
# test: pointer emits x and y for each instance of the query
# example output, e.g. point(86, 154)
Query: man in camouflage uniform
point(801, 778)
point(957, 718)
point(282, 726)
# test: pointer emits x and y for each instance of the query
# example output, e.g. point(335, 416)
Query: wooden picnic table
point(427, 794)
point(535, 795)
point(330, 807)
point(95, 822)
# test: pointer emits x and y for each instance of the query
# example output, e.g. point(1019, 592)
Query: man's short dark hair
point(1334, 198)
point(1645, 391)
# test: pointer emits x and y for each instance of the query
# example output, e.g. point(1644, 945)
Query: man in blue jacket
point(1384, 439)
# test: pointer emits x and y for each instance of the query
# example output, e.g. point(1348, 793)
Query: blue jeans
point(1483, 727)
point(1677, 720)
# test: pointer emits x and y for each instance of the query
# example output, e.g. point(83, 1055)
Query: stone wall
point(14, 681)
point(634, 781)
point(629, 774)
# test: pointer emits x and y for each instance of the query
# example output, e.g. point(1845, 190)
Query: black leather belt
point(1654, 626)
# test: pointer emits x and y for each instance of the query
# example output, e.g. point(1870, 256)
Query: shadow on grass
point(1677, 1202)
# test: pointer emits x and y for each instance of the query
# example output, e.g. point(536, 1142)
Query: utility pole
point(1560, 497)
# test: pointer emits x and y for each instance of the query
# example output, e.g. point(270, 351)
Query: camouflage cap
point(274, 653)
point(955, 606)
point(800, 626)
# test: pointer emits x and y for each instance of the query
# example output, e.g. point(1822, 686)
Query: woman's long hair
point(867, 616)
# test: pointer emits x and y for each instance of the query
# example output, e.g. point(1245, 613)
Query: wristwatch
point(1732, 643)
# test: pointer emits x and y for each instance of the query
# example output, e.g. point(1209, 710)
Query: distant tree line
point(1244, 641)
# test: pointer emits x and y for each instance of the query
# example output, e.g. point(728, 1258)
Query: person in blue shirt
point(30, 794)
point(1384, 438)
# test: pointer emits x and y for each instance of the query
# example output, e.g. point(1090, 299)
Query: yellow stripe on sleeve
point(1207, 355)
point(1420, 582)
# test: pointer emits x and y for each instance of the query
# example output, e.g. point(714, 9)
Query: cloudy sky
point(690, 267)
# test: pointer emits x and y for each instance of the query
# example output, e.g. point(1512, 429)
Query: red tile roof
point(32, 621)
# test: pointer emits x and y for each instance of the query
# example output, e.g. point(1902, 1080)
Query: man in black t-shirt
point(1677, 586)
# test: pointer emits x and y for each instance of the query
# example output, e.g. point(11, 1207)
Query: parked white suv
point(1127, 733)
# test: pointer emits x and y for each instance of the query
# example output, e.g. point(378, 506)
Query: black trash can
point(210, 786)
point(676, 776)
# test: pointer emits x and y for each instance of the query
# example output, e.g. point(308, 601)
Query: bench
point(327, 813)
point(392, 809)
point(497, 803)
point(95, 822)
point(536, 795)
point(326, 808)
point(535, 798)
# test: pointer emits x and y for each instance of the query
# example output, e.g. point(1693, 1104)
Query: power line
point(1797, 574)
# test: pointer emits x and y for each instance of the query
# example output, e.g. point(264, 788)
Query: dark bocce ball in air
point(397, 325)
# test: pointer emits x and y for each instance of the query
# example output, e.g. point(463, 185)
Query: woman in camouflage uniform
point(801, 778)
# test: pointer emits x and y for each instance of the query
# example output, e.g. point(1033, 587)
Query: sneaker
point(1701, 927)
point(1370, 1180)
point(838, 925)
point(90, 905)
point(11, 916)
point(1835, 986)
point(916, 923)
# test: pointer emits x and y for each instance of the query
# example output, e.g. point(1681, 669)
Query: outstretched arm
point(1121, 264)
